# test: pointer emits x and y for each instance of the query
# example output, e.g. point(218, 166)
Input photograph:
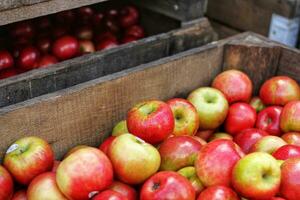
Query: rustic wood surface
point(222, 30)
point(289, 64)
point(11, 4)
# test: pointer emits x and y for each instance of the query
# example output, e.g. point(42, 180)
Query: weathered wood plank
point(222, 30)
point(11, 4)
point(289, 64)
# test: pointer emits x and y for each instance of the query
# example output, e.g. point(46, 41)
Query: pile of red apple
point(218, 144)
point(44, 41)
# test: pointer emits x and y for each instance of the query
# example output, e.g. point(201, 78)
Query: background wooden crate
point(86, 113)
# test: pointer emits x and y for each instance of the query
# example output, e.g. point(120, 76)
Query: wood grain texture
point(251, 15)
point(86, 113)
point(222, 30)
point(289, 64)
point(11, 4)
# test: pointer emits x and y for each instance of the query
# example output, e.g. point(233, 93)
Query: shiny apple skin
point(191, 175)
point(168, 186)
point(106, 144)
point(124, 189)
point(72, 150)
point(222, 153)
point(6, 184)
point(20, 195)
point(268, 144)
point(269, 120)
point(109, 195)
point(204, 134)
point(287, 151)
point(120, 128)
point(290, 117)
point(55, 165)
point(292, 138)
point(218, 192)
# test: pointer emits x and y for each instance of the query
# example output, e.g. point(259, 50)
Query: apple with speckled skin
point(142, 160)
point(218, 192)
point(257, 176)
point(167, 185)
point(185, 117)
point(151, 121)
point(292, 138)
point(178, 152)
point(27, 158)
point(211, 105)
point(290, 117)
point(6, 184)
point(88, 166)
point(287, 151)
point(191, 174)
point(269, 120)
point(268, 144)
point(225, 154)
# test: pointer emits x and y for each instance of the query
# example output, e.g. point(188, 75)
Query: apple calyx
point(155, 186)
point(147, 109)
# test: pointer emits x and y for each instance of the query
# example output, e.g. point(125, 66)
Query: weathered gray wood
point(222, 30)
point(289, 64)
point(11, 4)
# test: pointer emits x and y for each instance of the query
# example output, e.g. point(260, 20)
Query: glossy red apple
point(257, 104)
point(286, 152)
point(268, 144)
point(128, 39)
point(178, 152)
point(248, 137)
point(46, 61)
point(112, 25)
point(6, 184)
point(279, 90)
point(60, 31)
point(86, 46)
point(129, 15)
point(167, 185)
point(185, 116)
point(8, 73)
point(109, 195)
point(6, 60)
point(135, 31)
point(23, 29)
point(106, 44)
point(44, 44)
point(292, 138)
point(235, 85)
point(20, 195)
point(29, 58)
point(240, 116)
point(93, 173)
point(112, 13)
point(65, 47)
point(85, 14)
point(269, 120)
point(290, 117)
point(290, 179)
point(151, 121)
point(45, 187)
point(55, 165)
point(98, 19)
point(218, 192)
point(65, 17)
point(222, 153)
point(27, 158)
point(204, 134)
point(106, 144)
point(74, 149)
point(106, 35)
point(43, 23)
point(124, 189)
point(84, 32)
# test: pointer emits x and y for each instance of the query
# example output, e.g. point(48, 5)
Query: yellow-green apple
point(124, 189)
point(106, 144)
point(185, 117)
point(269, 120)
point(84, 173)
point(279, 90)
point(191, 174)
point(286, 152)
point(178, 152)
point(75, 149)
point(109, 195)
point(211, 106)
point(257, 104)
point(218, 192)
point(204, 134)
point(292, 138)
point(6, 184)
point(220, 135)
point(167, 185)
point(55, 166)
point(20, 195)
point(215, 162)
point(290, 117)
point(290, 179)
point(141, 159)
point(248, 137)
point(120, 128)
point(256, 176)
point(151, 121)
point(240, 116)
point(44, 187)
point(235, 85)
point(268, 144)
point(27, 158)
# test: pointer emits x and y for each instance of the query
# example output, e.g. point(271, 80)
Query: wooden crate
point(167, 39)
point(86, 113)
point(253, 15)
point(222, 30)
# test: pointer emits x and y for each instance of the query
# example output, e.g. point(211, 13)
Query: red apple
point(191, 174)
point(45, 187)
point(84, 173)
point(178, 152)
point(292, 138)
point(185, 117)
point(98, 19)
point(28, 58)
point(112, 13)
point(167, 185)
point(106, 35)
point(129, 15)
point(290, 117)
point(6, 184)
point(8, 73)
point(269, 120)
point(60, 31)
point(124, 189)
point(268, 144)
point(200, 140)
point(22, 29)
point(286, 152)
point(240, 116)
point(142, 160)
point(84, 33)
point(74, 149)
point(6, 60)
point(109, 195)
point(256, 176)
point(85, 14)
point(43, 23)
point(151, 121)
point(44, 44)
point(65, 47)
point(279, 90)
point(46, 61)
point(135, 31)
point(65, 17)
point(128, 39)
point(257, 104)
point(20, 195)
point(106, 144)
point(27, 158)
point(248, 137)
point(112, 25)
point(204, 134)
point(218, 192)
point(290, 179)
point(235, 85)
point(106, 44)
point(120, 128)
point(55, 166)
point(86, 46)
point(222, 153)
point(220, 135)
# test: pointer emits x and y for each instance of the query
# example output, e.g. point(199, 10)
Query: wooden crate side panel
point(223, 31)
point(11, 4)
point(289, 64)
point(85, 113)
